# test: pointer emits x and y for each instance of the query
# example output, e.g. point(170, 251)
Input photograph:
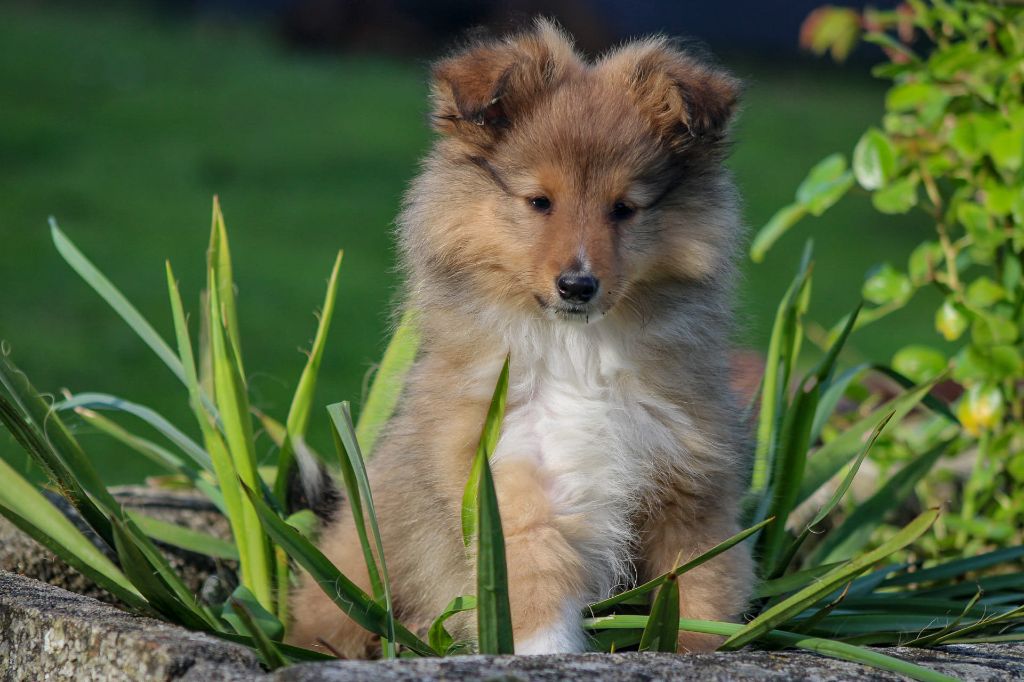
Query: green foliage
point(950, 144)
point(829, 596)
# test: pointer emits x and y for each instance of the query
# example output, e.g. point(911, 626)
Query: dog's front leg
point(717, 590)
point(545, 573)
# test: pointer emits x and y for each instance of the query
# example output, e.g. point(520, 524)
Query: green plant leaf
point(825, 647)
point(485, 448)
point(185, 538)
point(104, 401)
point(824, 185)
point(357, 487)
point(662, 630)
point(948, 570)
point(358, 605)
point(887, 285)
point(95, 279)
point(163, 591)
point(33, 514)
point(783, 350)
point(438, 636)
point(950, 321)
point(805, 598)
point(221, 283)
point(791, 461)
point(233, 405)
point(651, 585)
point(264, 621)
point(899, 196)
point(388, 382)
point(785, 218)
point(302, 400)
point(27, 416)
point(842, 542)
point(919, 363)
point(244, 613)
point(874, 160)
point(831, 457)
point(494, 615)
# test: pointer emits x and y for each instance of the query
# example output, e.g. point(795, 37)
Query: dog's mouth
point(570, 312)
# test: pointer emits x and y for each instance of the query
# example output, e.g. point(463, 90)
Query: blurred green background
point(123, 123)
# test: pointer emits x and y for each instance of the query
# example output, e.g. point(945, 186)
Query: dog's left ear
point(688, 100)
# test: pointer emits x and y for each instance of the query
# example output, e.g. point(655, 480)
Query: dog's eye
point(621, 210)
point(540, 203)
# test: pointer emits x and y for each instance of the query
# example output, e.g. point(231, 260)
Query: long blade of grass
point(792, 582)
point(157, 454)
point(357, 485)
point(388, 382)
point(825, 647)
point(831, 396)
point(485, 448)
point(830, 458)
point(783, 349)
point(245, 623)
point(233, 404)
point(199, 399)
point(652, 585)
point(662, 630)
point(40, 431)
point(184, 538)
point(844, 541)
point(358, 605)
point(151, 582)
point(222, 282)
point(302, 400)
point(494, 615)
point(954, 569)
point(33, 514)
point(265, 622)
point(438, 636)
point(94, 278)
point(104, 401)
point(791, 459)
point(837, 496)
point(153, 452)
point(782, 612)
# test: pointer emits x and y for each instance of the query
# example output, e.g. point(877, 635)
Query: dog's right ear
point(484, 89)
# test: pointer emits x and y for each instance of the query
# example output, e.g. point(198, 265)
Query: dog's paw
point(562, 637)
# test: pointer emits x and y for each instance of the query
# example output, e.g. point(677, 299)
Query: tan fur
point(525, 117)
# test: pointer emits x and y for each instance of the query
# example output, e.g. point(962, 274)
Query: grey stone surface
point(973, 663)
point(47, 633)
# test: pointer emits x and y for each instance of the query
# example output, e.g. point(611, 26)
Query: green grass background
point(123, 127)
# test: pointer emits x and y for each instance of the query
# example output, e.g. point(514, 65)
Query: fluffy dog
point(576, 215)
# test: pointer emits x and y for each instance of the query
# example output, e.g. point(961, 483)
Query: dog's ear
point(486, 87)
point(688, 101)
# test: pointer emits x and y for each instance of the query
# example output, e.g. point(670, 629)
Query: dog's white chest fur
point(578, 412)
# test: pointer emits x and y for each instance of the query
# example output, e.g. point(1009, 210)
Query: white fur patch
point(565, 636)
point(597, 436)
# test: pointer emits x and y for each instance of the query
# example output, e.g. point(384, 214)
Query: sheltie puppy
point(576, 215)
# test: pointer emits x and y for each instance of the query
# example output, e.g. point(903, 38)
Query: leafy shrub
point(951, 144)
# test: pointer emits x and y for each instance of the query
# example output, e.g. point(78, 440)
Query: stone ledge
point(49, 633)
point(974, 663)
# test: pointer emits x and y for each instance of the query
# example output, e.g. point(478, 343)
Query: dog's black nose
point(576, 287)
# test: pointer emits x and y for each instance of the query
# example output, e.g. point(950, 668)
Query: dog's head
point(560, 185)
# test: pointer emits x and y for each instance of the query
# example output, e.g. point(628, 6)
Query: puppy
point(576, 215)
